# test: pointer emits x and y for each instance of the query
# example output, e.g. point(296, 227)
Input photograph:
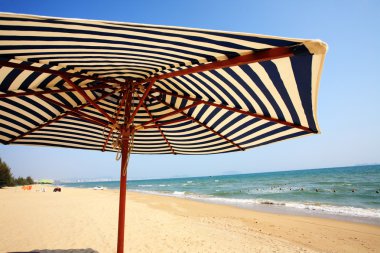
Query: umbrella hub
point(124, 122)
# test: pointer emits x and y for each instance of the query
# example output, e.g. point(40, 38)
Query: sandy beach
point(85, 220)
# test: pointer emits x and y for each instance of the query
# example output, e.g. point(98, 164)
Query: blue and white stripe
point(284, 89)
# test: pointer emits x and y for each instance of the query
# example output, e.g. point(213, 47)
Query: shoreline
point(274, 207)
point(87, 219)
point(348, 193)
point(279, 209)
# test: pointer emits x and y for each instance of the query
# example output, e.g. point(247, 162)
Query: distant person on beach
point(57, 189)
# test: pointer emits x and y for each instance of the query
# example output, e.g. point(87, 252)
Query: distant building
point(45, 181)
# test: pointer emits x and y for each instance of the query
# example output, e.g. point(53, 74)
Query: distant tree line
point(7, 179)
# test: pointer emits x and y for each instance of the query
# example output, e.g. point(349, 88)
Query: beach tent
point(147, 89)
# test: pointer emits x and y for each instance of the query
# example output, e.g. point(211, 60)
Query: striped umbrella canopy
point(151, 89)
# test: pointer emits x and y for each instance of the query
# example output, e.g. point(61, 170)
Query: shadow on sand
point(58, 251)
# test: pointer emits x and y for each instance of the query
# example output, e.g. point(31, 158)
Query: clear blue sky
point(348, 109)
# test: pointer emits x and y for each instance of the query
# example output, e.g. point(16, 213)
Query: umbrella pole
point(123, 188)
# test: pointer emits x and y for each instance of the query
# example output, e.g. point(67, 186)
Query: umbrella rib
point(122, 102)
point(162, 124)
point(33, 93)
point(253, 57)
point(54, 120)
point(141, 101)
point(121, 105)
point(159, 129)
point(204, 125)
point(144, 125)
point(70, 109)
point(89, 119)
point(196, 100)
point(106, 141)
point(23, 66)
point(87, 98)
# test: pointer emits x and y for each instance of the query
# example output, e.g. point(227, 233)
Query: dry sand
point(85, 220)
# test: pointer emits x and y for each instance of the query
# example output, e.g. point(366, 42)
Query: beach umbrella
point(147, 89)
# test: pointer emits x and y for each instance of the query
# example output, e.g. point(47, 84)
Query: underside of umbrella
point(150, 89)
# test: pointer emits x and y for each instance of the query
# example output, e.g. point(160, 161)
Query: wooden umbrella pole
point(123, 188)
point(125, 149)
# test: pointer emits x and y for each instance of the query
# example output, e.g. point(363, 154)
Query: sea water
point(350, 193)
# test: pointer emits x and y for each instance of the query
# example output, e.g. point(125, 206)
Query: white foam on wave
point(340, 210)
point(251, 203)
point(178, 193)
point(330, 209)
point(266, 191)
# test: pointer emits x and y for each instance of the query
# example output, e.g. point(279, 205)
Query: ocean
point(348, 193)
